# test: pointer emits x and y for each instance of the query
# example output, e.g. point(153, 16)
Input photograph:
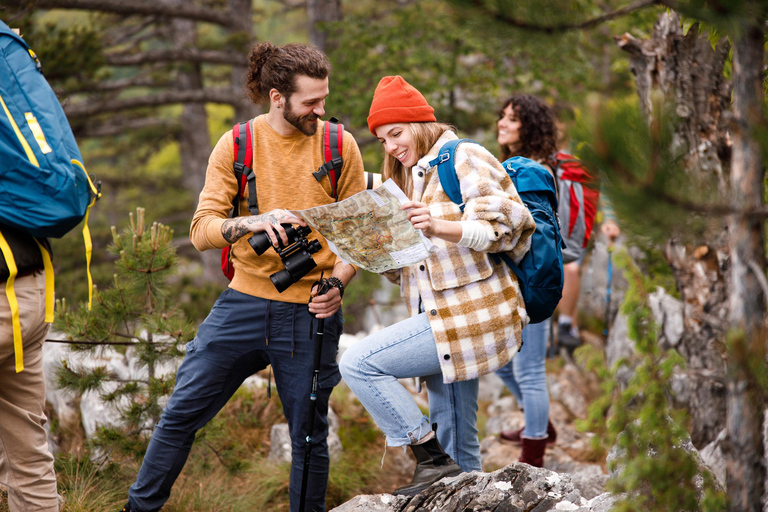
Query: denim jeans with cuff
point(372, 367)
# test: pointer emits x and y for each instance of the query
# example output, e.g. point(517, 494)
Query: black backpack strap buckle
point(323, 170)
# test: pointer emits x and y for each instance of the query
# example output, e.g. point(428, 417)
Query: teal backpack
point(44, 188)
point(540, 272)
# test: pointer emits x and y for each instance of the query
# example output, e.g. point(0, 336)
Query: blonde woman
point(467, 313)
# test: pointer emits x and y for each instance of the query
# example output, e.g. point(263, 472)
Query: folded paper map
point(370, 230)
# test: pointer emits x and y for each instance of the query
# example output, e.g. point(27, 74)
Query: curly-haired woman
point(526, 127)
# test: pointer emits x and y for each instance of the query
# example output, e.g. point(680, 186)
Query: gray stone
point(668, 313)
point(516, 487)
point(280, 440)
point(712, 455)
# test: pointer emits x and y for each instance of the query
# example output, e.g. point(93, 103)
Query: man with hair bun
point(251, 325)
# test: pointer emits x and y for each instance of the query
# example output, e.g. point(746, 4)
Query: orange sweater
point(283, 166)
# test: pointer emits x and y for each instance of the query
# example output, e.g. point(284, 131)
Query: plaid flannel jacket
point(474, 306)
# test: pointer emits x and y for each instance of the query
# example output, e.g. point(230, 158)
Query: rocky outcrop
point(516, 487)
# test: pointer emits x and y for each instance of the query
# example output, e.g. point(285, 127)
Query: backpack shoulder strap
point(333, 134)
point(446, 170)
point(241, 134)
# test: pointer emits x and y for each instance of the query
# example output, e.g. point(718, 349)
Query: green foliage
point(356, 299)
point(653, 466)
point(69, 54)
point(138, 311)
point(643, 169)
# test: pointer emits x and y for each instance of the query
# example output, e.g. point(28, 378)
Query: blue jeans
point(407, 349)
point(526, 377)
point(241, 336)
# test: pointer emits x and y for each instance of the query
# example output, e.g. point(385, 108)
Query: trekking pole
point(608, 291)
point(322, 289)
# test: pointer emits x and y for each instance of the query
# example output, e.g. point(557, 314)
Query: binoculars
point(296, 256)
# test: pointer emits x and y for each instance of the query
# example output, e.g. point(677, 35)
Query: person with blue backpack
point(44, 193)
point(526, 127)
point(467, 310)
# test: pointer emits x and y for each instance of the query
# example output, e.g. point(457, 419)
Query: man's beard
point(305, 124)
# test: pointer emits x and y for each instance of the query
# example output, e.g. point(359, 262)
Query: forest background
point(150, 86)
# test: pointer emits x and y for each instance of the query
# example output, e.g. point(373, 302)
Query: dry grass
point(228, 469)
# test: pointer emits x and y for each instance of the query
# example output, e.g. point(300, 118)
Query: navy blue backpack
point(540, 272)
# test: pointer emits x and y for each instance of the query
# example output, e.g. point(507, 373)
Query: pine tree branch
point(225, 95)
point(480, 5)
point(176, 55)
point(186, 10)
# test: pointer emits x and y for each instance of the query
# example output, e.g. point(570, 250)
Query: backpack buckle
point(324, 169)
point(444, 157)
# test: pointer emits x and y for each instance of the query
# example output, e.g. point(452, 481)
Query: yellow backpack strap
point(49, 283)
point(12, 302)
point(87, 233)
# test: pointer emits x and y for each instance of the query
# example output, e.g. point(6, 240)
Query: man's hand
point(611, 230)
point(234, 229)
point(326, 305)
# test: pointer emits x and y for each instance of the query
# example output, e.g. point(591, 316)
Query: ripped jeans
point(372, 367)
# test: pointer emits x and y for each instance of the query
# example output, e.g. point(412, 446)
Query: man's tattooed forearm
point(234, 229)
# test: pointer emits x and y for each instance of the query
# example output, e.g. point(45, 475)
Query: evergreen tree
point(138, 316)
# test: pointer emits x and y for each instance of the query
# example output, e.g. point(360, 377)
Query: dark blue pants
point(241, 336)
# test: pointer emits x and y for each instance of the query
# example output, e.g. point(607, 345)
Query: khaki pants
point(26, 464)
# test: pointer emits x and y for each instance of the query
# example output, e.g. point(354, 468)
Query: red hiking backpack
point(333, 134)
point(578, 195)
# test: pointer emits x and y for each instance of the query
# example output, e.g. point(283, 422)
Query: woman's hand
point(421, 218)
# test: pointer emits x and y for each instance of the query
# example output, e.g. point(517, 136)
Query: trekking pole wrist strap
point(335, 282)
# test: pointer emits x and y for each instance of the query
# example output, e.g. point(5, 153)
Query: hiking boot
point(533, 451)
point(432, 464)
point(566, 337)
point(514, 436)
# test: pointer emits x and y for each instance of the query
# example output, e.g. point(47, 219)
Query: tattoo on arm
point(234, 229)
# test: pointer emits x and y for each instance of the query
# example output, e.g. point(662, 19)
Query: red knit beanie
point(397, 101)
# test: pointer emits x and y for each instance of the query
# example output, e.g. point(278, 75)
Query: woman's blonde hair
point(425, 135)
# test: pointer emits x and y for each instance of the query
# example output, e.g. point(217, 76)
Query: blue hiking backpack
point(540, 272)
point(44, 188)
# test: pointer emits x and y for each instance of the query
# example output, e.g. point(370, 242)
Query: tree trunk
point(241, 32)
point(194, 138)
point(318, 12)
point(745, 470)
point(689, 73)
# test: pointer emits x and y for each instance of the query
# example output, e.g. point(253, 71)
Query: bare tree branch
point(114, 85)
point(481, 6)
point(121, 126)
point(170, 55)
point(225, 95)
point(760, 275)
point(187, 10)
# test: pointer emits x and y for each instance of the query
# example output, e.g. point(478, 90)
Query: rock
point(280, 440)
point(618, 345)
point(571, 387)
point(712, 455)
point(668, 312)
point(516, 487)
point(280, 443)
